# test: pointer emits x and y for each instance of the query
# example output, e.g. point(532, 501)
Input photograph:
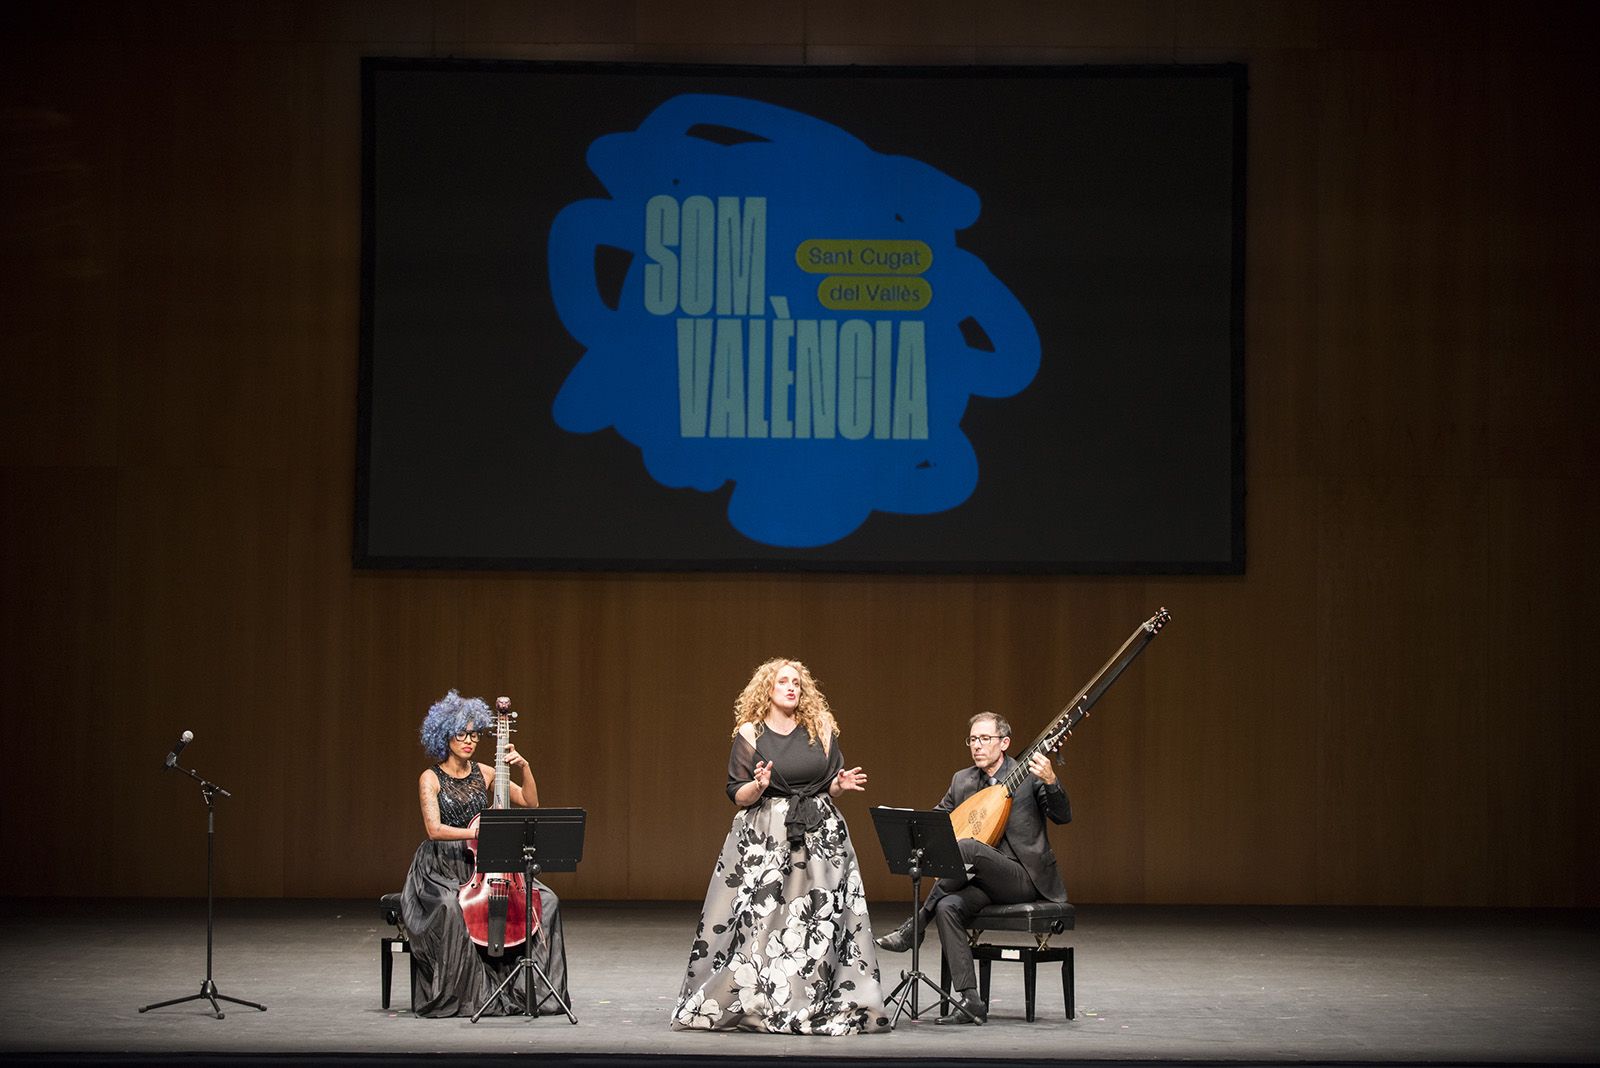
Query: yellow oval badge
point(827, 255)
point(854, 292)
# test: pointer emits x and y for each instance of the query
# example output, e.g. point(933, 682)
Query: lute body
point(983, 815)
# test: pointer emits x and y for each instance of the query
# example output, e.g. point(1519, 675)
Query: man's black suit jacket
point(1025, 830)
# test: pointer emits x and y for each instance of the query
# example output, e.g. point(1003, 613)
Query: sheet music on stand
point(554, 834)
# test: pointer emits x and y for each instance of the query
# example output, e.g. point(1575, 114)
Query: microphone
point(184, 739)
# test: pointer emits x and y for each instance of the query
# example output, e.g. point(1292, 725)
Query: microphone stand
point(208, 988)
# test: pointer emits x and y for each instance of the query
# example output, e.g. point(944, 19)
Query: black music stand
point(529, 840)
point(917, 842)
point(208, 989)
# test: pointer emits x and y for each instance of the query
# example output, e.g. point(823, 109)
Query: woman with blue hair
point(454, 975)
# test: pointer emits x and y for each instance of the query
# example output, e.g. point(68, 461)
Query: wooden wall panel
point(1391, 706)
point(1541, 822)
point(1531, 320)
point(714, 23)
point(1228, 761)
point(1282, 223)
point(1134, 25)
point(203, 563)
point(1401, 687)
point(58, 644)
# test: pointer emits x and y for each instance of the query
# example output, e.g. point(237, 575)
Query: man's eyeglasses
point(981, 739)
point(467, 736)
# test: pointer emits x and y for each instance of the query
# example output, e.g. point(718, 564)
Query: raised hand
point(851, 779)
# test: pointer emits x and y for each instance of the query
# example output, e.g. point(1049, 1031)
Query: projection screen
point(847, 319)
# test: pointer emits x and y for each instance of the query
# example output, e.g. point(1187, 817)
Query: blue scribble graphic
point(719, 358)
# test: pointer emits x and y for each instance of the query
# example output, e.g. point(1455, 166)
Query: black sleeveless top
point(463, 798)
point(796, 761)
point(800, 770)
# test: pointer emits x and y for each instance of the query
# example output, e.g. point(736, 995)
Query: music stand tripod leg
point(548, 985)
point(917, 843)
point(906, 989)
point(527, 963)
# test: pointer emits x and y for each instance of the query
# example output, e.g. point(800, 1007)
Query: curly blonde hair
point(756, 698)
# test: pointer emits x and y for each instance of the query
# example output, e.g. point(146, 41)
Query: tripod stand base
point(525, 965)
point(906, 991)
point(208, 992)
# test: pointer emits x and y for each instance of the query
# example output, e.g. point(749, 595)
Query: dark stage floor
point(1154, 985)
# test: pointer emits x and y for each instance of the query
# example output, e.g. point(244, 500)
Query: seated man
point(1020, 867)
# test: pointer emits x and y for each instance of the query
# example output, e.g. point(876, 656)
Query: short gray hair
point(1002, 728)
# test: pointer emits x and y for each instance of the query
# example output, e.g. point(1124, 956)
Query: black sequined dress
point(455, 976)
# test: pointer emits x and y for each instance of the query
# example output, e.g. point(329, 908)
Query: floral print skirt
point(784, 942)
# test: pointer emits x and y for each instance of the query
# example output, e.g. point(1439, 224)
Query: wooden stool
point(1042, 919)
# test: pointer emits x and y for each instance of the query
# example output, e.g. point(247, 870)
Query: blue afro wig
point(451, 715)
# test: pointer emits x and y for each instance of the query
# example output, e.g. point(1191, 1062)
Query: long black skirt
point(455, 976)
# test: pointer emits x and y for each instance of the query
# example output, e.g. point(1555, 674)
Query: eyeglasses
point(467, 736)
point(982, 739)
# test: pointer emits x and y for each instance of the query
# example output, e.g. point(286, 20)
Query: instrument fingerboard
point(502, 778)
point(1052, 736)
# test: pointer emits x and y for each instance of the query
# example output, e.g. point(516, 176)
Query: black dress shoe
point(978, 1008)
point(899, 939)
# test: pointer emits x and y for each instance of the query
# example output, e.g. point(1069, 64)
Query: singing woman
point(454, 975)
point(784, 943)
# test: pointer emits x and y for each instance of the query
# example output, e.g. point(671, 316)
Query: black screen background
point(1112, 208)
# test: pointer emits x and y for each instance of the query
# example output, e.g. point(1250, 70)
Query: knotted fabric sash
point(805, 810)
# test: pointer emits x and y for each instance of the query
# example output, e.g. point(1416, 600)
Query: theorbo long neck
point(1069, 717)
point(502, 777)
